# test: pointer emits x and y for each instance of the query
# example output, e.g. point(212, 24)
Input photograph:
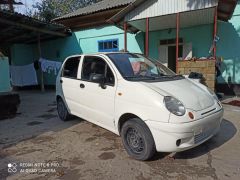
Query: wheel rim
point(135, 141)
point(61, 109)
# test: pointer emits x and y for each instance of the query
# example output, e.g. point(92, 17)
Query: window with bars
point(110, 45)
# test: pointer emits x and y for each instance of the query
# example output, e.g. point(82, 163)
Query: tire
point(137, 139)
point(62, 110)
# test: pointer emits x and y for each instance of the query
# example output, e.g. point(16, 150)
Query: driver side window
point(93, 65)
point(70, 69)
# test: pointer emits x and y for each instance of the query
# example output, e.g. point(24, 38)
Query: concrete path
point(79, 150)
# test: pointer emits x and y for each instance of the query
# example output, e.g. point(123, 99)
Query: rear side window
point(70, 69)
point(96, 65)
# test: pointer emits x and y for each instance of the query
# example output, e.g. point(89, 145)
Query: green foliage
point(47, 10)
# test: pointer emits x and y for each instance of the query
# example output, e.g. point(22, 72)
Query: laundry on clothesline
point(23, 75)
point(49, 66)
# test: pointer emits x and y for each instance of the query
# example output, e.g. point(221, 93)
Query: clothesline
point(26, 75)
point(49, 66)
point(23, 75)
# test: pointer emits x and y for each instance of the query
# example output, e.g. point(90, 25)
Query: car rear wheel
point(63, 113)
point(137, 139)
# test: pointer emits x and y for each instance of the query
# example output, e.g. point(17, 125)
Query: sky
point(27, 5)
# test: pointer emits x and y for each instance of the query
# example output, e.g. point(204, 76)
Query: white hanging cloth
point(23, 75)
point(48, 66)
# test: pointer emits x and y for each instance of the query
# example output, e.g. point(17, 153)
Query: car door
point(69, 82)
point(97, 102)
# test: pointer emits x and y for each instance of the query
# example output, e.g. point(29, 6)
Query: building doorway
point(167, 52)
point(172, 56)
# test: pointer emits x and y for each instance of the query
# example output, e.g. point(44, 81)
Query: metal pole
point(40, 55)
point(177, 39)
point(125, 36)
point(147, 38)
point(215, 34)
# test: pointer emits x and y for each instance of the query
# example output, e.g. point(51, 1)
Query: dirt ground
point(80, 150)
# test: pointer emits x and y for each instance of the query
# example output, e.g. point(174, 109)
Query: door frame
point(166, 55)
point(80, 80)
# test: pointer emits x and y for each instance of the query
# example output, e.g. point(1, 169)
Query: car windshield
point(136, 66)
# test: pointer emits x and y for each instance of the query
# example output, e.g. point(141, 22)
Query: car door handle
point(61, 81)
point(82, 86)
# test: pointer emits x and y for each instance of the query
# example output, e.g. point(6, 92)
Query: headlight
point(174, 106)
point(212, 93)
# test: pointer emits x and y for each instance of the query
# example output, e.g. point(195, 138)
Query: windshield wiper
point(140, 77)
point(173, 76)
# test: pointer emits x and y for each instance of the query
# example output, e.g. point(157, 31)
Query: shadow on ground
point(227, 132)
point(37, 115)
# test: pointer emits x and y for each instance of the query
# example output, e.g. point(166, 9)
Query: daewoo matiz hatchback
point(148, 105)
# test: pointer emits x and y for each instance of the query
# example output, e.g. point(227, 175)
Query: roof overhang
point(13, 2)
point(226, 9)
point(100, 6)
point(121, 14)
point(89, 20)
point(225, 12)
point(187, 19)
point(18, 28)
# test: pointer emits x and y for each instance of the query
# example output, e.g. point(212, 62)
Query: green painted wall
point(4, 75)
point(88, 39)
point(199, 36)
point(22, 54)
point(229, 48)
point(85, 41)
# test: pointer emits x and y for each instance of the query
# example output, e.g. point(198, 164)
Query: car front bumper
point(171, 137)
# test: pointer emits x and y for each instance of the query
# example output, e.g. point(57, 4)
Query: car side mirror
point(98, 78)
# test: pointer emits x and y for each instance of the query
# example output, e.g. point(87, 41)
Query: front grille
point(202, 136)
point(208, 111)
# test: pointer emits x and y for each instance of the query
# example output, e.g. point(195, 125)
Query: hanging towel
point(23, 75)
point(49, 66)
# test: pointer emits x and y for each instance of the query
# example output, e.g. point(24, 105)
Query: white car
point(148, 105)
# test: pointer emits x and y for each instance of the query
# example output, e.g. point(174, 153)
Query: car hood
point(192, 96)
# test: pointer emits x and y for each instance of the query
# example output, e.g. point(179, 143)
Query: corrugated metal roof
point(187, 19)
point(27, 19)
point(100, 6)
point(19, 28)
point(154, 8)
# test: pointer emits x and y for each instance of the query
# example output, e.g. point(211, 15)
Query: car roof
point(102, 53)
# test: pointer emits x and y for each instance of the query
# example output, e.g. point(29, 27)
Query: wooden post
point(125, 36)
point(215, 34)
point(40, 55)
point(10, 2)
point(147, 38)
point(177, 39)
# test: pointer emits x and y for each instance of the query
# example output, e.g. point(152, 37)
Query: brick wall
point(205, 67)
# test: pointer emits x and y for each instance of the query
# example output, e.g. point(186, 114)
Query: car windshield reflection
point(135, 67)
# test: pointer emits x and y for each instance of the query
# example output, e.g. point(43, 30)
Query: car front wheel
point(137, 139)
